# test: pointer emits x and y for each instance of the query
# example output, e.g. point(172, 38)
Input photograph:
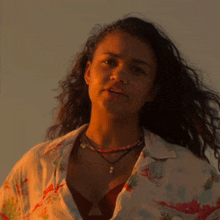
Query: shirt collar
point(61, 142)
point(155, 146)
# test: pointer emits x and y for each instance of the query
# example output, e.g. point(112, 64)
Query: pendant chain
point(85, 142)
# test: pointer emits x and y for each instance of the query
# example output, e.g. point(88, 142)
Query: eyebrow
point(134, 60)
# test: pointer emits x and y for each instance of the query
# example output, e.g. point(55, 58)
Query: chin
point(120, 113)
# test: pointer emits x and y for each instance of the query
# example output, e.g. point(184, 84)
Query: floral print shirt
point(167, 182)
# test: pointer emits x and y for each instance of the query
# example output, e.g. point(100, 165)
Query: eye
point(109, 62)
point(137, 69)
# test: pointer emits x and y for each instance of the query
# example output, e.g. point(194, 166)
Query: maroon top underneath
point(106, 205)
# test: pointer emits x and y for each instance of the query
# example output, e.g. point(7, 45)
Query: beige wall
point(39, 38)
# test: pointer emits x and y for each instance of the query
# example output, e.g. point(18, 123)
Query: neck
point(113, 133)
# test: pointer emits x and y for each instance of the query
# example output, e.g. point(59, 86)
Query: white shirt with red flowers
point(167, 182)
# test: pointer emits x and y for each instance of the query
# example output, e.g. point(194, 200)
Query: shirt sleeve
point(10, 202)
point(16, 191)
point(211, 193)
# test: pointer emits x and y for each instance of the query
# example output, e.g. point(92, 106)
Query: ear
point(153, 93)
point(87, 72)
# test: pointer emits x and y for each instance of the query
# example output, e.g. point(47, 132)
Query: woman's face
point(126, 64)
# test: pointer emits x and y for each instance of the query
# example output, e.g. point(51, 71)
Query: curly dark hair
point(184, 112)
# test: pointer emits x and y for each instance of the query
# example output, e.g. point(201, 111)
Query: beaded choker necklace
point(86, 142)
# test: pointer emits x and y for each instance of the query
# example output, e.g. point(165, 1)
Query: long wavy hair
point(184, 112)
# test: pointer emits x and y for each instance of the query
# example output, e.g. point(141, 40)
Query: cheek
point(95, 86)
point(92, 89)
point(98, 75)
point(139, 97)
point(143, 93)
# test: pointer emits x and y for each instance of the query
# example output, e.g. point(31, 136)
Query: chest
point(89, 174)
point(94, 188)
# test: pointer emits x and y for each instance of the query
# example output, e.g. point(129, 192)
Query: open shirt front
point(167, 182)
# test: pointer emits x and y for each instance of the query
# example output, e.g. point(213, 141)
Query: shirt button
point(176, 218)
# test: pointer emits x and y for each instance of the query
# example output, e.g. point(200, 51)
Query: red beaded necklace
point(86, 142)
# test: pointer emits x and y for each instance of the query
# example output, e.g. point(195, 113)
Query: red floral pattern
point(131, 184)
point(192, 207)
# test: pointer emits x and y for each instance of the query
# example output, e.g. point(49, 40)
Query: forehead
point(126, 45)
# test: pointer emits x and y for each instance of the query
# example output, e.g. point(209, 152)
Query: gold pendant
point(111, 170)
point(83, 145)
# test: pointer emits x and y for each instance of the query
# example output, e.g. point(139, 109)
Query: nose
point(119, 75)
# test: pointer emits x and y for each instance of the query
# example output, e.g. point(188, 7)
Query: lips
point(116, 90)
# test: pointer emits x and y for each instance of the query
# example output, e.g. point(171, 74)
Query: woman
point(129, 138)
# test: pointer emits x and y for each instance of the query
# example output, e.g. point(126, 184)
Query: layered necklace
point(85, 142)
